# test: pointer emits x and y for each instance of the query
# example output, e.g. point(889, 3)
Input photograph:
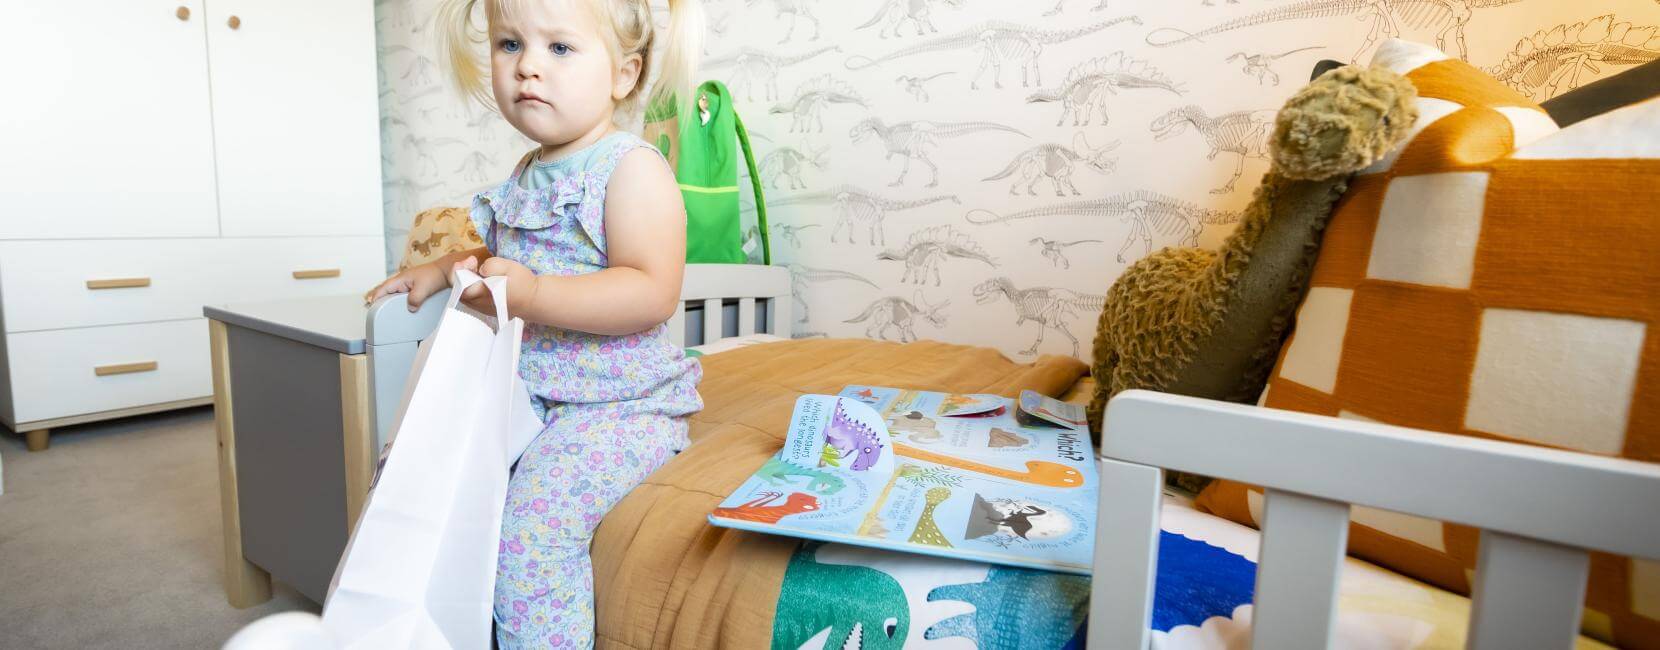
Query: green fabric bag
point(704, 153)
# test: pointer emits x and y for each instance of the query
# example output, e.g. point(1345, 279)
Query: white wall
point(439, 150)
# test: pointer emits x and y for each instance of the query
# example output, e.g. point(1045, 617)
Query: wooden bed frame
point(1529, 583)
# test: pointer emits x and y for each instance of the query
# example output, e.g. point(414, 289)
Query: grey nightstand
point(299, 424)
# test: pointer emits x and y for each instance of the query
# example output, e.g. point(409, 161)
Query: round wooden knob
point(183, 13)
point(234, 22)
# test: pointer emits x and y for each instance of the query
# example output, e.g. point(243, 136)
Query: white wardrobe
point(159, 156)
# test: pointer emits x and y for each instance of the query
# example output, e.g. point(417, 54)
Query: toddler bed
point(665, 578)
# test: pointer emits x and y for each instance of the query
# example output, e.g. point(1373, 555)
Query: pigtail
point(458, 49)
point(679, 51)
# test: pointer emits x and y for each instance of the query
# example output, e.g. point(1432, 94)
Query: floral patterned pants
point(587, 459)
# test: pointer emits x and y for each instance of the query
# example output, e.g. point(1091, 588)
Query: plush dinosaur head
point(1342, 122)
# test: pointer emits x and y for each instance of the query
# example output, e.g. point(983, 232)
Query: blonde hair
point(632, 32)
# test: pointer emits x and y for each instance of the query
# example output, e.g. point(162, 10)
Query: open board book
point(978, 477)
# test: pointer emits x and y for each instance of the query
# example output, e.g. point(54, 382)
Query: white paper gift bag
point(419, 570)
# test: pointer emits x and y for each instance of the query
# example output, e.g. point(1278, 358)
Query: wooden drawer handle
point(314, 274)
point(118, 283)
point(124, 368)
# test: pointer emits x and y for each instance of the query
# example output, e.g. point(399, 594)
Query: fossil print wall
point(978, 171)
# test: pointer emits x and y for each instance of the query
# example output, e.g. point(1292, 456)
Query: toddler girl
point(590, 232)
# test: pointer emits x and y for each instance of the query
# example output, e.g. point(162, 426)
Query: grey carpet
point(110, 539)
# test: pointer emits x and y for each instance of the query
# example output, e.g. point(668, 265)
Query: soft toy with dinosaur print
point(1208, 323)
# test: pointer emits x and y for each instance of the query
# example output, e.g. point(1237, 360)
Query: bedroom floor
point(123, 549)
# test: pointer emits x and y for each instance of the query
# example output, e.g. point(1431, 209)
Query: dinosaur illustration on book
point(927, 530)
point(866, 608)
point(1049, 307)
point(927, 249)
point(1057, 162)
point(1259, 65)
point(1243, 133)
point(920, 427)
point(1038, 472)
point(1149, 212)
point(856, 207)
point(792, 233)
point(919, 12)
point(787, 162)
point(1088, 85)
point(917, 86)
point(999, 44)
point(811, 98)
point(1003, 438)
point(852, 439)
point(777, 470)
point(916, 139)
point(751, 66)
point(795, 9)
point(801, 276)
point(900, 314)
point(1052, 249)
point(1551, 61)
point(761, 508)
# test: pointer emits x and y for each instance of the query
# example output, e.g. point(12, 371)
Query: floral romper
point(615, 406)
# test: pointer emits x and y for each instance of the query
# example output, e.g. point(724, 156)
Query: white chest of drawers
point(171, 155)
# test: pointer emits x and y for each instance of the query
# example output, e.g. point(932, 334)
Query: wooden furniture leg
point(38, 440)
point(246, 585)
point(359, 433)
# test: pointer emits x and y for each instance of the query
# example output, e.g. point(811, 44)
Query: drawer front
point(60, 373)
point(50, 285)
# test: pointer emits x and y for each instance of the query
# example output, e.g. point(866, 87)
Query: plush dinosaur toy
point(1209, 323)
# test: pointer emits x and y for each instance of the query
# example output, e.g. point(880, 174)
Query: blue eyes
point(511, 46)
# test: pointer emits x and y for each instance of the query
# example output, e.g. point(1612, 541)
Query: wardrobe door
point(105, 128)
point(296, 117)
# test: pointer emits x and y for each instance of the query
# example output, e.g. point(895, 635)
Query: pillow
point(1494, 278)
point(437, 232)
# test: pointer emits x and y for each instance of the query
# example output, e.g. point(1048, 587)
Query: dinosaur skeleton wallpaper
point(980, 171)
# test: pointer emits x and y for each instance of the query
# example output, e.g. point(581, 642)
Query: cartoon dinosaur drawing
point(919, 12)
point(1550, 61)
point(751, 66)
point(1038, 472)
point(787, 162)
point(999, 44)
point(1048, 306)
point(900, 314)
point(915, 139)
point(855, 207)
point(811, 98)
point(791, 233)
point(1244, 133)
point(761, 510)
point(1089, 84)
point(1016, 608)
point(1052, 249)
point(1258, 65)
point(927, 530)
point(850, 606)
point(1150, 212)
point(927, 249)
point(801, 276)
point(985, 518)
point(795, 9)
point(776, 471)
point(920, 427)
point(916, 86)
point(851, 437)
point(1056, 162)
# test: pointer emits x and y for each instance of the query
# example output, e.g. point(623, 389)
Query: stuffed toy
point(1209, 323)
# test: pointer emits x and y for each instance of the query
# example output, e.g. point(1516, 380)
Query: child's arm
point(645, 232)
point(423, 280)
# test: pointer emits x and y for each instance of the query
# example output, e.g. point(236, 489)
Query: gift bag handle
point(496, 285)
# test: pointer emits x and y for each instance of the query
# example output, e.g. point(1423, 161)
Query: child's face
point(553, 77)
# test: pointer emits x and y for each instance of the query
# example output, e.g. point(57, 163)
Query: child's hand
point(418, 281)
point(521, 284)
